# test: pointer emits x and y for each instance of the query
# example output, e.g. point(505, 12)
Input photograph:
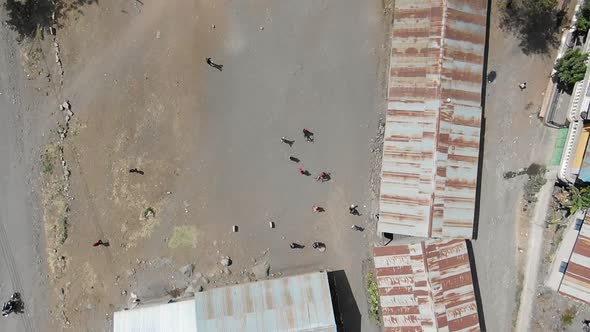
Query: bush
point(567, 318)
point(539, 6)
point(583, 23)
point(373, 294)
point(580, 199)
point(571, 68)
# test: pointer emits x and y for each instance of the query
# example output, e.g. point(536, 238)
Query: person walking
point(213, 64)
point(317, 209)
point(137, 171)
point(287, 141)
point(100, 243)
point(352, 209)
point(303, 171)
point(357, 228)
point(308, 135)
point(295, 245)
point(522, 86)
point(319, 246)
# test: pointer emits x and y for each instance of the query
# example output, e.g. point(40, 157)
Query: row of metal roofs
point(426, 286)
point(433, 121)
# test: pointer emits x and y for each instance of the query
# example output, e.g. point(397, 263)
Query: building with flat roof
point(427, 286)
point(433, 122)
point(297, 303)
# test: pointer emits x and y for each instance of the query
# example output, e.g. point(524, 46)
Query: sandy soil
point(209, 145)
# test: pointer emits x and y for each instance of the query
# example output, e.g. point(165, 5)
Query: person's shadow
point(214, 65)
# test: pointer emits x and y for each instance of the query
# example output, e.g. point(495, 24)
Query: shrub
point(571, 68)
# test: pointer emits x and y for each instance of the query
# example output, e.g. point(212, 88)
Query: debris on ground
point(225, 261)
point(261, 270)
point(187, 270)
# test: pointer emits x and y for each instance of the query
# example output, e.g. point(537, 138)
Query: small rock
point(200, 289)
point(226, 261)
point(212, 26)
point(261, 270)
point(261, 28)
point(189, 291)
point(187, 270)
point(123, 292)
point(66, 105)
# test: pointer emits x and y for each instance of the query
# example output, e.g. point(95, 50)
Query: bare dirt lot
point(208, 142)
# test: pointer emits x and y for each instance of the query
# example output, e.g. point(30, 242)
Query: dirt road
point(22, 122)
point(514, 138)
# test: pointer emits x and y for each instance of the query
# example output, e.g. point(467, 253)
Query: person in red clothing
point(303, 171)
point(100, 243)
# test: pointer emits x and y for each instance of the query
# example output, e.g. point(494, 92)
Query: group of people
point(322, 177)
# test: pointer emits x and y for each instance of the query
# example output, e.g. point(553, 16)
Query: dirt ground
point(208, 142)
point(514, 138)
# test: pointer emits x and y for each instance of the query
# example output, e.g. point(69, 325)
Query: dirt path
point(534, 253)
point(24, 120)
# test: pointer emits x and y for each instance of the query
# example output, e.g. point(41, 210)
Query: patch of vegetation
point(47, 163)
point(583, 22)
point(149, 213)
point(568, 315)
point(63, 230)
point(373, 297)
point(579, 199)
point(535, 182)
point(536, 23)
point(571, 68)
point(25, 17)
point(183, 236)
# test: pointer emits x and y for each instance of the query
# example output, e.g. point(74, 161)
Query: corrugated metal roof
point(178, 317)
point(432, 131)
point(299, 303)
point(426, 286)
point(576, 280)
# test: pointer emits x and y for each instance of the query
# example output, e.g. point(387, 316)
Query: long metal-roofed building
point(427, 286)
point(433, 121)
point(295, 304)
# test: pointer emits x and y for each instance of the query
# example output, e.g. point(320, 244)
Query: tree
point(583, 23)
point(539, 6)
point(580, 199)
point(571, 68)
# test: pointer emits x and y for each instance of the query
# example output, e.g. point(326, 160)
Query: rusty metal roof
point(298, 303)
point(426, 286)
point(576, 280)
point(432, 131)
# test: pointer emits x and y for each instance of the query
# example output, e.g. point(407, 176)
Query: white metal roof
point(298, 303)
point(177, 317)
